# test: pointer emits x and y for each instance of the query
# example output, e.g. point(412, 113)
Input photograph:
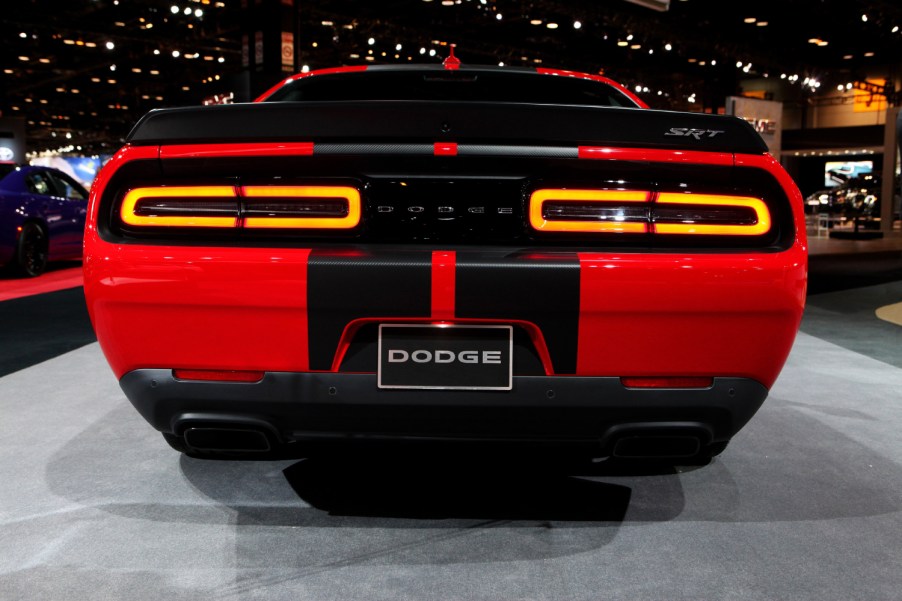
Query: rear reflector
point(217, 375)
point(644, 211)
point(667, 382)
point(285, 207)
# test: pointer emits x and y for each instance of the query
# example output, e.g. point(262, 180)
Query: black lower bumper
point(597, 413)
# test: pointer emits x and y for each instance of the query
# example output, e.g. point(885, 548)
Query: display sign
point(839, 172)
point(764, 115)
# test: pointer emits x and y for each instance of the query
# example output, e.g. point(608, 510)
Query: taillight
point(305, 207)
point(644, 211)
point(180, 206)
point(620, 211)
point(711, 214)
point(253, 207)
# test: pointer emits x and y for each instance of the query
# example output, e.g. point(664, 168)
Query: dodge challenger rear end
point(445, 254)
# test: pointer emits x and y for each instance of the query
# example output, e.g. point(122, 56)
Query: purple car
point(42, 217)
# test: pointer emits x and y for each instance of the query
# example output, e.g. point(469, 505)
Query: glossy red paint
point(443, 280)
point(655, 155)
point(693, 314)
point(297, 76)
point(580, 75)
point(254, 149)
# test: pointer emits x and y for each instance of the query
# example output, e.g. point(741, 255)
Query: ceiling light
point(749, 20)
point(498, 16)
point(174, 9)
point(432, 52)
point(577, 25)
point(551, 26)
point(713, 63)
point(371, 41)
point(188, 11)
point(110, 45)
point(739, 64)
point(761, 24)
point(44, 61)
point(305, 69)
point(638, 88)
point(328, 23)
point(869, 54)
point(635, 46)
point(536, 22)
point(501, 64)
point(864, 18)
point(823, 43)
point(840, 87)
point(629, 38)
point(668, 47)
point(23, 35)
point(896, 29)
point(398, 47)
point(622, 43)
point(422, 51)
point(221, 59)
point(68, 42)
point(23, 58)
point(848, 86)
point(198, 13)
point(176, 54)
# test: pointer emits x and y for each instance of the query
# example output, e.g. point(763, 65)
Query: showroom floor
point(806, 503)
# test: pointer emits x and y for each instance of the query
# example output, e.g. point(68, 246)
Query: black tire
point(31, 251)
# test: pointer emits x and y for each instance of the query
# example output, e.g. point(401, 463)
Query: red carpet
point(70, 277)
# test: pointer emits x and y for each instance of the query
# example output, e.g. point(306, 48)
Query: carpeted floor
point(805, 504)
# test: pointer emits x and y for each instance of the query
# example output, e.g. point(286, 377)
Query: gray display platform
point(806, 503)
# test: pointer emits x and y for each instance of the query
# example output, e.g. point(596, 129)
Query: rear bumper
point(597, 413)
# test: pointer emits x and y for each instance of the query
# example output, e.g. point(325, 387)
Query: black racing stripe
point(342, 288)
point(543, 290)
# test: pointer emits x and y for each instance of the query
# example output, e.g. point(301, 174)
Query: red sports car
point(445, 253)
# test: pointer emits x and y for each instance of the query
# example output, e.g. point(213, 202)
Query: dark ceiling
point(74, 90)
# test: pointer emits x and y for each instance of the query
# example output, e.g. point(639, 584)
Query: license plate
point(445, 357)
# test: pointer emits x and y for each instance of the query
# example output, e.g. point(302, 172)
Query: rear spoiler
point(470, 122)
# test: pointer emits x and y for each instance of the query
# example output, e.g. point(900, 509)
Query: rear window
point(465, 86)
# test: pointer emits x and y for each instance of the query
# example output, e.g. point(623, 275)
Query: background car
point(42, 218)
